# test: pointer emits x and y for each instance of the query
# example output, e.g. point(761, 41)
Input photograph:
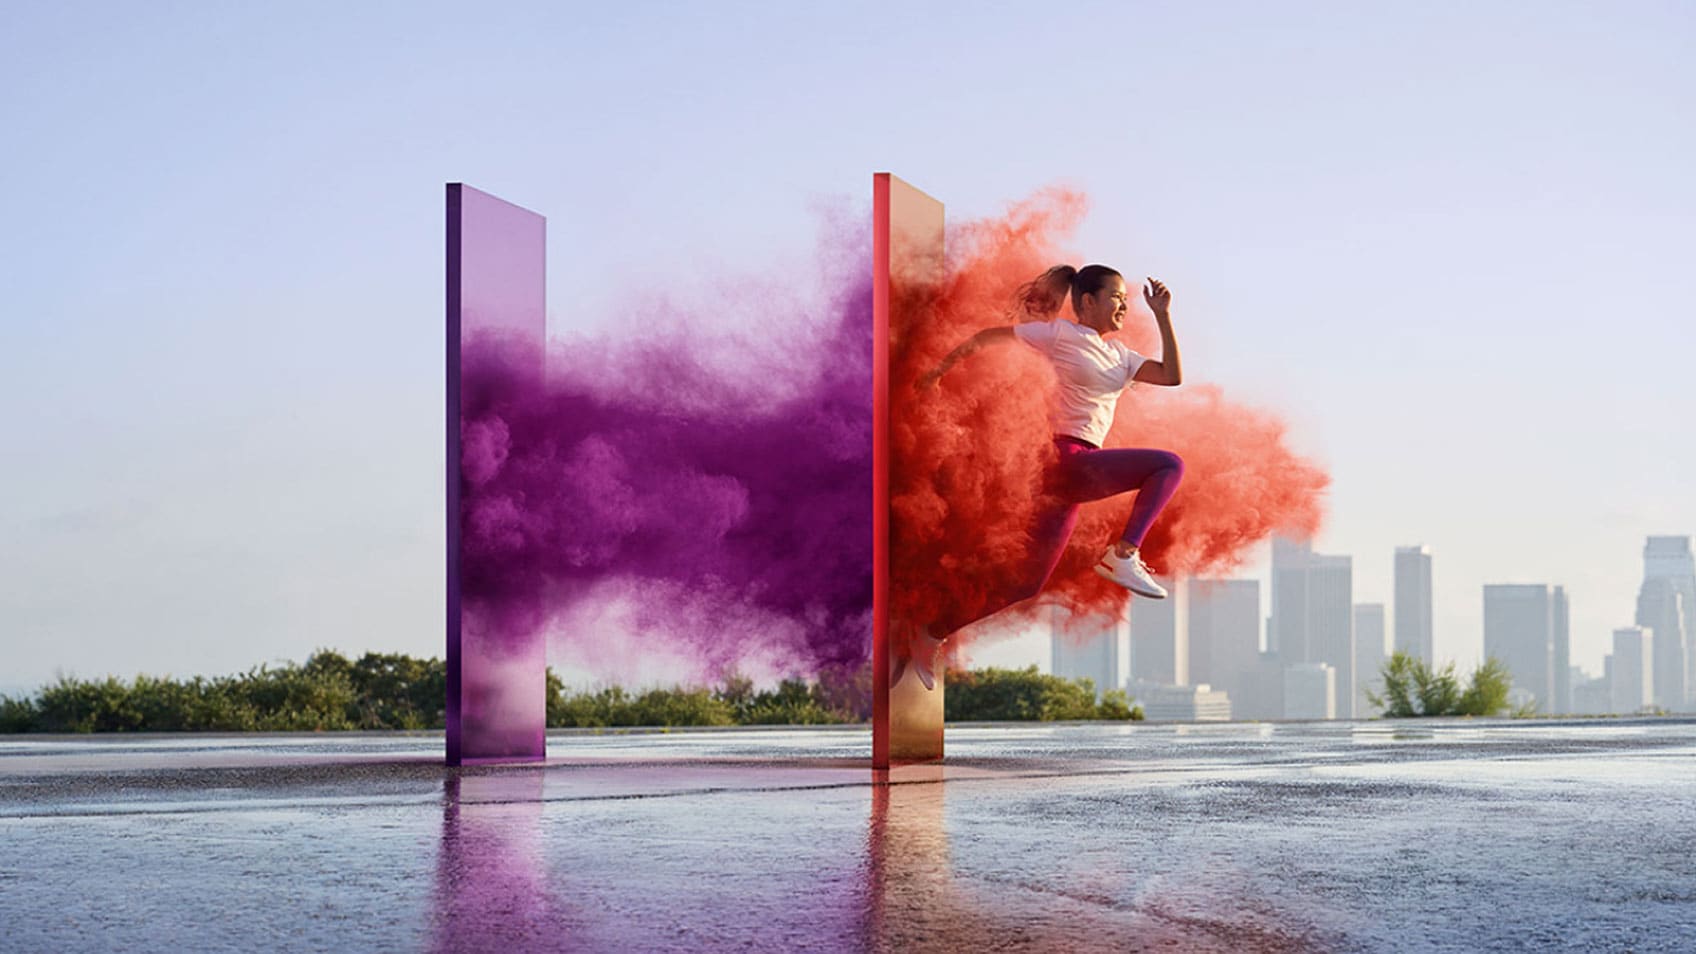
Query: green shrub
point(75, 705)
point(291, 699)
point(1411, 688)
point(1115, 704)
point(17, 715)
point(1025, 695)
point(1488, 692)
point(395, 691)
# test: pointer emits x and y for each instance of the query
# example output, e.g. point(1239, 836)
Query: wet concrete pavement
point(1444, 835)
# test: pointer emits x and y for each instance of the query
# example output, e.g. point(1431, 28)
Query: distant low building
point(1310, 691)
point(1260, 695)
point(1201, 703)
point(1592, 696)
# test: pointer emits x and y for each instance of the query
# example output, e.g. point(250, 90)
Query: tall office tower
point(1330, 624)
point(1660, 610)
point(1310, 691)
point(1286, 631)
point(1159, 645)
point(1077, 654)
point(1413, 603)
point(1313, 613)
point(1519, 630)
point(1562, 672)
point(1633, 669)
point(1670, 559)
point(1224, 634)
point(1368, 654)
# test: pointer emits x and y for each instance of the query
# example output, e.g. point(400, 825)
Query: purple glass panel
point(497, 325)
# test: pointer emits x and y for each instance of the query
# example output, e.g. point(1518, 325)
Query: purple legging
point(1084, 473)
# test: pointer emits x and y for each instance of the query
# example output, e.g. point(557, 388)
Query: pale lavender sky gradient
point(1450, 243)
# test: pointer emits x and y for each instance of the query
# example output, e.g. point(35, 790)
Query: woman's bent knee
point(1173, 463)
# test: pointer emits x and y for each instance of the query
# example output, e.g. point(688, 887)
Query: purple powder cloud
point(720, 482)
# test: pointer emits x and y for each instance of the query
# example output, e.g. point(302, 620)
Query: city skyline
point(1018, 651)
point(1210, 632)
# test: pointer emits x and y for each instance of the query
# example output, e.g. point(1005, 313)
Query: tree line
point(330, 692)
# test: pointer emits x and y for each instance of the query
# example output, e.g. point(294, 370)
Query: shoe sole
point(1105, 573)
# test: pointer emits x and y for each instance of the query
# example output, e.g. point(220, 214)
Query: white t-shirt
point(1092, 372)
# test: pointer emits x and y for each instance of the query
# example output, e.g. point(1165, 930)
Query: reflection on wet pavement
point(1450, 835)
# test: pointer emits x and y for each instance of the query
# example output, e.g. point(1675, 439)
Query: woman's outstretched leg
point(1050, 531)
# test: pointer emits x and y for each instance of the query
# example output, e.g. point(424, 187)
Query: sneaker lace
point(1137, 558)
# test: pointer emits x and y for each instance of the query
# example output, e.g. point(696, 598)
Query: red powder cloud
point(971, 454)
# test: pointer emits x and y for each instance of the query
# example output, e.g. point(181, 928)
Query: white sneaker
point(1131, 573)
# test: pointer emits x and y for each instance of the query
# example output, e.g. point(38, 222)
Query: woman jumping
point(1092, 372)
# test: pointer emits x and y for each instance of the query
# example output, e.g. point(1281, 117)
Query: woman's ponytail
point(1053, 286)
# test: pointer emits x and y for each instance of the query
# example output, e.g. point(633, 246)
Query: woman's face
point(1105, 310)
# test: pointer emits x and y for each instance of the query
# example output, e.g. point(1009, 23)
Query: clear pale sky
point(1450, 243)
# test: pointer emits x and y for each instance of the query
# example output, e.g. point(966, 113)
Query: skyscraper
point(1159, 645)
point(1560, 620)
point(1659, 606)
point(1519, 630)
point(1086, 655)
point(1413, 603)
point(1286, 631)
point(1633, 669)
point(1330, 625)
point(1368, 654)
point(1224, 635)
point(1660, 610)
point(1313, 614)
